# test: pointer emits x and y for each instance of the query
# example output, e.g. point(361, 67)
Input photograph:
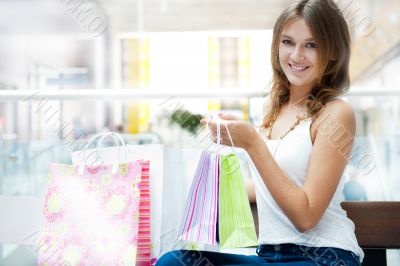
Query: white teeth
point(297, 68)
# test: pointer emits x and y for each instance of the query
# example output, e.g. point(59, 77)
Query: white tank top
point(292, 154)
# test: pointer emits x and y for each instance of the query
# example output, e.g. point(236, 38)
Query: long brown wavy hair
point(332, 38)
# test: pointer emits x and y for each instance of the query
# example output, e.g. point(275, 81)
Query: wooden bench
point(377, 227)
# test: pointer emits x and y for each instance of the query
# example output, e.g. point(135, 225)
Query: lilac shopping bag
point(199, 222)
point(91, 216)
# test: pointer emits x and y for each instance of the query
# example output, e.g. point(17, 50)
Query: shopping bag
point(154, 153)
point(91, 215)
point(179, 169)
point(169, 167)
point(143, 247)
point(174, 166)
point(236, 224)
point(199, 223)
point(126, 153)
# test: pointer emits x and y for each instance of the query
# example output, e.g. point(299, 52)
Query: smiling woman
point(297, 54)
point(310, 48)
point(297, 167)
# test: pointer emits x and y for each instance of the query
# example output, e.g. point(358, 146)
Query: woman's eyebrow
point(291, 38)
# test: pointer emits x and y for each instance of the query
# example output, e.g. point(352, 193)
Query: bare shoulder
point(339, 110)
point(336, 115)
point(338, 106)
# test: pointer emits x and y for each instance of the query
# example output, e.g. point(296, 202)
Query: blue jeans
point(277, 255)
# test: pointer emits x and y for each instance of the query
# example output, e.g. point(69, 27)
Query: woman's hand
point(243, 134)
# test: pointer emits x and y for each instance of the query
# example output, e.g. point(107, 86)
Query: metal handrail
point(131, 94)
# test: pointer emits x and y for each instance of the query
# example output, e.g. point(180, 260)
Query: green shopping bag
point(236, 224)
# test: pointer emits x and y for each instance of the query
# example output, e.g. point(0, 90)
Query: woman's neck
point(293, 106)
point(297, 95)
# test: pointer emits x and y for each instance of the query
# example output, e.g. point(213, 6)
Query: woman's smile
point(298, 68)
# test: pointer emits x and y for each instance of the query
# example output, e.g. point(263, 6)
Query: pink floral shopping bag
point(91, 216)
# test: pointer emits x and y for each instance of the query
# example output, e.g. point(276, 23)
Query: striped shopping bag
point(143, 241)
point(218, 208)
point(199, 222)
point(236, 224)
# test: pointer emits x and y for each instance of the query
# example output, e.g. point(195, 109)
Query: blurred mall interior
point(73, 68)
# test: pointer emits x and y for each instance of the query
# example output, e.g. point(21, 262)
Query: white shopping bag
point(180, 168)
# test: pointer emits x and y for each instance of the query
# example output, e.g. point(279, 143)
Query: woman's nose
point(297, 53)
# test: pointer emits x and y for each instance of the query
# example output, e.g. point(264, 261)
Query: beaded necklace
point(295, 124)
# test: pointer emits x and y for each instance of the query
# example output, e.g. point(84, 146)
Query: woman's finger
point(228, 116)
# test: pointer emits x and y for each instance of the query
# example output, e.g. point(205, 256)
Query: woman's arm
point(304, 206)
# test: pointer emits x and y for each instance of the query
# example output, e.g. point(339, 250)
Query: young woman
point(302, 148)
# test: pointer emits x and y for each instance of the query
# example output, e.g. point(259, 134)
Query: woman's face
point(298, 54)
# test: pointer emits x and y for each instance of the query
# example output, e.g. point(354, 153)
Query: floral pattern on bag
point(118, 201)
point(91, 219)
point(55, 205)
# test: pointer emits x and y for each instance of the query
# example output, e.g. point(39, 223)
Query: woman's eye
point(287, 42)
point(310, 45)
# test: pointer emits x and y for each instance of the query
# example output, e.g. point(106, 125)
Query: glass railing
point(24, 164)
point(371, 174)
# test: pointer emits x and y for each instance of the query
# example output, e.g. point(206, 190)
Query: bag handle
point(218, 121)
point(118, 140)
point(102, 135)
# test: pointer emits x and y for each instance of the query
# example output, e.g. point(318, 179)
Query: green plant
point(186, 120)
